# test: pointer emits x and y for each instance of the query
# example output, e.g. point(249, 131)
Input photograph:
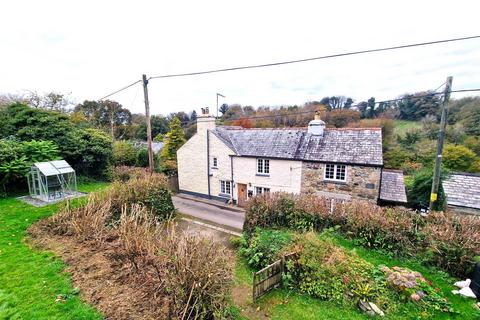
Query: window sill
point(213, 167)
point(224, 195)
point(335, 181)
point(263, 174)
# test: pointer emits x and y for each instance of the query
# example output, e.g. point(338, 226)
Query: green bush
point(89, 151)
point(458, 158)
point(263, 246)
point(124, 153)
point(16, 158)
point(419, 194)
point(327, 271)
point(149, 190)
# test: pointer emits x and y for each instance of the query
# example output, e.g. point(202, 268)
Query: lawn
point(402, 126)
point(287, 304)
point(30, 279)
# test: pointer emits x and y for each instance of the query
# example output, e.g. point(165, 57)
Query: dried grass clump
point(198, 274)
point(87, 222)
point(195, 273)
point(453, 242)
point(125, 173)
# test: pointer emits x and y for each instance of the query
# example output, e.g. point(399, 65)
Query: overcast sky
point(92, 48)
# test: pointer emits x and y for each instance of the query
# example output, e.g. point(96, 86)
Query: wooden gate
point(268, 278)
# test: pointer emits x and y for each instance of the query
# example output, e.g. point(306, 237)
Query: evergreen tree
point(174, 139)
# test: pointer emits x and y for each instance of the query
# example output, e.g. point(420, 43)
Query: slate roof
point(343, 145)
point(393, 186)
point(463, 190)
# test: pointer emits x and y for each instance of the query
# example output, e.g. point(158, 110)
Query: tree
point(124, 153)
point(243, 122)
point(458, 158)
point(341, 117)
point(159, 125)
point(223, 108)
point(105, 114)
point(193, 116)
point(419, 194)
point(174, 139)
point(471, 121)
point(53, 101)
point(418, 105)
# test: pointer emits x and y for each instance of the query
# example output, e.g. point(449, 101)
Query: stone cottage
point(233, 163)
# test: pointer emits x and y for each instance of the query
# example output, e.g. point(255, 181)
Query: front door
point(242, 194)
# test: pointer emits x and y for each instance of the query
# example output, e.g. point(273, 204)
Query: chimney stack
point(205, 121)
point(316, 127)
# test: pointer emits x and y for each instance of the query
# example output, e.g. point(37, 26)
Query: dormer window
point(263, 167)
point(335, 172)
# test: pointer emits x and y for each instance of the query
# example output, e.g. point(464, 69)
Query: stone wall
point(361, 182)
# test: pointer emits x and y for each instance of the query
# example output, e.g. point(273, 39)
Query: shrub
point(150, 191)
point(448, 242)
point(39, 151)
point(124, 153)
point(194, 273)
point(125, 173)
point(329, 272)
point(419, 194)
point(453, 242)
point(263, 247)
point(86, 222)
point(458, 158)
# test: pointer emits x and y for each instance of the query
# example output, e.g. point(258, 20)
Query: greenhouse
point(52, 181)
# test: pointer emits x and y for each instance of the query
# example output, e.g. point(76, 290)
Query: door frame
point(241, 200)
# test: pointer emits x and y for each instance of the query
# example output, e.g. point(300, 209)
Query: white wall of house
point(223, 170)
point(192, 164)
point(285, 175)
point(192, 161)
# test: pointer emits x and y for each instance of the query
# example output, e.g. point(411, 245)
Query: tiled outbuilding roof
point(393, 186)
point(463, 190)
point(344, 145)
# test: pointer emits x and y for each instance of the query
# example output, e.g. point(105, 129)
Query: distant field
point(402, 126)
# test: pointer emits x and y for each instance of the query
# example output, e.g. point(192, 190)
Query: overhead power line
point(295, 61)
point(119, 90)
point(314, 58)
point(355, 105)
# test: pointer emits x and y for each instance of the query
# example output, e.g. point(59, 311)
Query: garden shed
point(52, 181)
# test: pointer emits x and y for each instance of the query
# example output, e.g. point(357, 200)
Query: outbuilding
point(52, 181)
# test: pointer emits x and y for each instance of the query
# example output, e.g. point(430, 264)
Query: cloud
point(92, 48)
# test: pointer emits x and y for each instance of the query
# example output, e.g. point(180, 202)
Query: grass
point(287, 304)
point(300, 306)
point(402, 126)
point(30, 279)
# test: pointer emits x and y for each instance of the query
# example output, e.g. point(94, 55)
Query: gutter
point(208, 163)
point(231, 177)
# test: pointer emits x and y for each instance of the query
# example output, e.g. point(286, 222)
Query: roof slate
point(355, 146)
point(393, 186)
point(463, 190)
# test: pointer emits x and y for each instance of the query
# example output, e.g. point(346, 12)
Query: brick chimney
point(205, 121)
point(316, 127)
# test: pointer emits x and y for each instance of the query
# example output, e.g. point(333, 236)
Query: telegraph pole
point(149, 126)
point(441, 138)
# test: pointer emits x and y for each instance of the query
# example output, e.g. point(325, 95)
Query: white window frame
point(263, 166)
point(335, 170)
point(226, 187)
point(214, 162)
point(262, 190)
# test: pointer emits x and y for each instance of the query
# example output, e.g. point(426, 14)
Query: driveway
point(210, 213)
